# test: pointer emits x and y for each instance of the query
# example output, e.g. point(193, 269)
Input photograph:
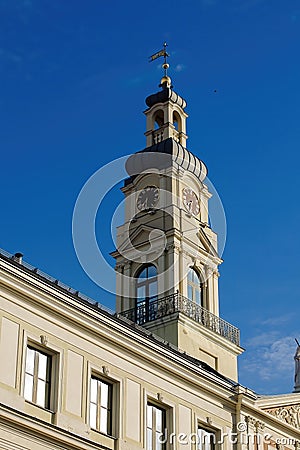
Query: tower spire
point(166, 116)
point(166, 55)
point(166, 80)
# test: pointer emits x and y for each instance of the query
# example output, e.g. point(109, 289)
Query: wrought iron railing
point(152, 309)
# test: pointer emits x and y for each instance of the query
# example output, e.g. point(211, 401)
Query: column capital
point(173, 247)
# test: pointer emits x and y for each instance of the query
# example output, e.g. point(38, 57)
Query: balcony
point(153, 309)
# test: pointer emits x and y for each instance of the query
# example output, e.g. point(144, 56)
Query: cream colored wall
point(199, 342)
point(209, 347)
point(9, 344)
point(133, 413)
point(73, 385)
point(166, 328)
point(87, 342)
point(182, 247)
point(83, 346)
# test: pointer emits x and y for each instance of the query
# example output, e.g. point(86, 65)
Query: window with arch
point(195, 287)
point(177, 121)
point(146, 283)
point(159, 119)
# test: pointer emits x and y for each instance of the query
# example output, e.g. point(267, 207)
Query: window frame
point(195, 287)
point(147, 282)
point(209, 432)
point(143, 304)
point(164, 424)
point(110, 404)
point(54, 389)
point(37, 378)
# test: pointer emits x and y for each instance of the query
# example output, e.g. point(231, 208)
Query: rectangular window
point(37, 377)
point(156, 424)
point(100, 405)
point(206, 439)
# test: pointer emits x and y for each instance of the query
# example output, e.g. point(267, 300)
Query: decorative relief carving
point(105, 370)
point(44, 340)
point(251, 421)
point(259, 425)
point(173, 247)
point(209, 271)
point(160, 397)
point(170, 247)
point(254, 423)
point(288, 414)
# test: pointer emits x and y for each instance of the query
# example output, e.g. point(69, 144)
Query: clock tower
point(167, 254)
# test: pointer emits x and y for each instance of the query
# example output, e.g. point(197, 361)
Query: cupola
point(165, 115)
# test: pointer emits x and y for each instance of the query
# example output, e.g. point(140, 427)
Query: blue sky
point(73, 72)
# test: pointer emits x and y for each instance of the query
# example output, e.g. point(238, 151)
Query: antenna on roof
point(297, 342)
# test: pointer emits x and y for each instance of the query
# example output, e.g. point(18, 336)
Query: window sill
point(103, 434)
point(103, 439)
point(38, 411)
point(39, 407)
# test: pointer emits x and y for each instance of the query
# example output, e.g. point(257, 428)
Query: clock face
point(147, 198)
point(190, 201)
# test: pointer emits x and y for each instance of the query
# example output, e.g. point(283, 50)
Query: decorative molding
point(105, 370)
point(9, 445)
point(254, 423)
point(209, 271)
point(173, 247)
point(209, 420)
point(44, 340)
point(160, 397)
point(251, 421)
point(259, 425)
point(287, 414)
point(170, 247)
point(127, 264)
point(180, 172)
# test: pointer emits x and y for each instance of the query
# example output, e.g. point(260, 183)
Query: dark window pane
point(144, 273)
point(152, 271)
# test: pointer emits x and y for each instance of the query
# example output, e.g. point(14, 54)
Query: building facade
point(160, 372)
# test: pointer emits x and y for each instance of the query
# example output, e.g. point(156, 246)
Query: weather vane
point(163, 53)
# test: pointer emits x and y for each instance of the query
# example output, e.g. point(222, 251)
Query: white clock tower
point(167, 254)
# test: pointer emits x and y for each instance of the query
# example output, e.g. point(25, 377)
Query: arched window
point(146, 284)
point(176, 121)
point(195, 287)
point(159, 119)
